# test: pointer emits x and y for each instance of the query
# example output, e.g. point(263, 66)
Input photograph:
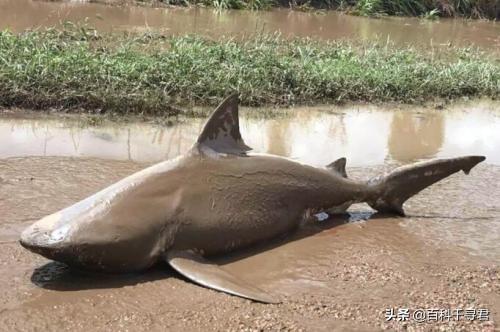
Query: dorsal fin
point(338, 166)
point(222, 130)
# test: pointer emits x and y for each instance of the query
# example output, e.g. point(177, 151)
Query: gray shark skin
point(214, 199)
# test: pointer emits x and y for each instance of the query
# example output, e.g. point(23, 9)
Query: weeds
point(449, 8)
point(431, 15)
point(79, 69)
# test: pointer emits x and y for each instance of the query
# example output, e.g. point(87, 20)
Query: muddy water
point(18, 15)
point(366, 135)
point(345, 270)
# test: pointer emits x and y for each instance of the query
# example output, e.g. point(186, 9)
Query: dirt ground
point(340, 274)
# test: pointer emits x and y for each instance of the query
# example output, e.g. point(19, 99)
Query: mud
point(341, 273)
point(338, 273)
point(19, 15)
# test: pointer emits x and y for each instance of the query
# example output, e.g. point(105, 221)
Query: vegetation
point(429, 8)
point(78, 69)
point(448, 8)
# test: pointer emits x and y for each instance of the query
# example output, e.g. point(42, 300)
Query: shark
point(216, 198)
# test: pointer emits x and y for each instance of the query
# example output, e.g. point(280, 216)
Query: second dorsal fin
point(338, 166)
point(222, 130)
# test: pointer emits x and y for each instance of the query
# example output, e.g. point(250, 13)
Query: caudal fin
point(390, 191)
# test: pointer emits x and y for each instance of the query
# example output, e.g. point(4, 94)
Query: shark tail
point(390, 191)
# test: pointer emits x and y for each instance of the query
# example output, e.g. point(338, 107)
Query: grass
point(429, 8)
point(78, 69)
point(219, 4)
point(447, 8)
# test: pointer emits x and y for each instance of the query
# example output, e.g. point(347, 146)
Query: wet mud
point(341, 273)
point(19, 15)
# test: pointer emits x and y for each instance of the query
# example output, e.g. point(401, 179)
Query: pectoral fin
point(203, 272)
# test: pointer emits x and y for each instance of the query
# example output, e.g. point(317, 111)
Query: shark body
point(215, 199)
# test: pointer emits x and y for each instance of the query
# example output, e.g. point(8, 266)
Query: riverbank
point(486, 9)
point(78, 69)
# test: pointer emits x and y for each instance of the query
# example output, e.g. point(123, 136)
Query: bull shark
point(212, 200)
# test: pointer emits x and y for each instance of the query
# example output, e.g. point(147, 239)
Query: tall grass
point(448, 8)
point(78, 69)
point(225, 4)
point(393, 7)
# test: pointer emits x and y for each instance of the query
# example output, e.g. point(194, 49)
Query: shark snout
point(43, 237)
point(37, 243)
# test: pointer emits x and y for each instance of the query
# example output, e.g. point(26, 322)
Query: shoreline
point(196, 112)
point(409, 8)
point(78, 69)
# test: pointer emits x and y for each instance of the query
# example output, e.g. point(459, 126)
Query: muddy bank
point(18, 15)
point(342, 273)
point(431, 10)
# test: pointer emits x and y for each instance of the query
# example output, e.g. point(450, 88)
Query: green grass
point(219, 4)
point(448, 8)
point(147, 74)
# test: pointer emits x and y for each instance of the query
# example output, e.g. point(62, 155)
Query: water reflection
point(415, 137)
point(55, 137)
point(366, 135)
point(277, 136)
point(18, 15)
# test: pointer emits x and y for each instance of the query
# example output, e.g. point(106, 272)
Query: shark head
point(46, 237)
point(128, 225)
point(115, 230)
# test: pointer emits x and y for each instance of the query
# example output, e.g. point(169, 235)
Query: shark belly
point(213, 235)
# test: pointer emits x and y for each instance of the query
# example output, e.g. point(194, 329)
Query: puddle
point(462, 211)
point(365, 135)
point(49, 162)
point(19, 15)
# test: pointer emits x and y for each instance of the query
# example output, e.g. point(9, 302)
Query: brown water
point(366, 135)
point(340, 273)
point(18, 15)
